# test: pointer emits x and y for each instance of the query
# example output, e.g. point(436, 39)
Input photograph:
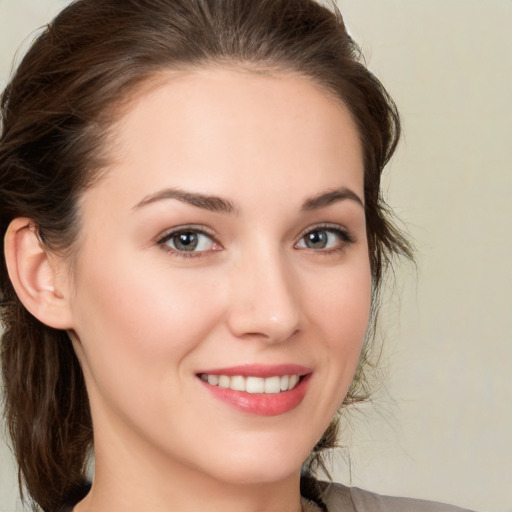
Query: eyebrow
point(332, 196)
point(207, 202)
point(220, 205)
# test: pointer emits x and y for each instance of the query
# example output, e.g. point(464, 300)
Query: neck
point(188, 494)
point(131, 480)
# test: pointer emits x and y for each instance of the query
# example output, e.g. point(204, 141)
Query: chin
point(262, 463)
point(258, 474)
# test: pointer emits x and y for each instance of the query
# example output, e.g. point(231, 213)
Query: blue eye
point(188, 241)
point(325, 239)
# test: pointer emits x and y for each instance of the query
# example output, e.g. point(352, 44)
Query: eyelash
point(346, 238)
point(162, 241)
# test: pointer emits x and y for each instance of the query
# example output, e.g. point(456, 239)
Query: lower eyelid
point(169, 235)
point(345, 239)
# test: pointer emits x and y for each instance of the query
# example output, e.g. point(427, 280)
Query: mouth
point(259, 390)
point(251, 384)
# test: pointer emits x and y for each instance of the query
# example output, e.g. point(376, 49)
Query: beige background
point(441, 426)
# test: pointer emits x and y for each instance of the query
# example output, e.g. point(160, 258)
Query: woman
point(194, 243)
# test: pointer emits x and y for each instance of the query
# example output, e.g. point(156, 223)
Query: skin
point(145, 319)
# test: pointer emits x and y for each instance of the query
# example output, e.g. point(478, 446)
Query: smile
point(250, 384)
point(262, 390)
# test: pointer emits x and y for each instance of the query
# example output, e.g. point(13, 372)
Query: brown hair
point(55, 113)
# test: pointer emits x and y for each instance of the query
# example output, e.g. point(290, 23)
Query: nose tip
point(272, 326)
point(266, 306)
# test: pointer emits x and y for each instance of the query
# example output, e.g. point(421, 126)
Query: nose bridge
point(265, 301)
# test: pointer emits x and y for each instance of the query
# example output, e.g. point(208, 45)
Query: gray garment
point(339, 498)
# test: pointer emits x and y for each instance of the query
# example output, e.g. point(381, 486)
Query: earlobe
point(34, 273)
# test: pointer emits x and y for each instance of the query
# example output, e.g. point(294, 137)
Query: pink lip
point(259, 370)
point(261, 404)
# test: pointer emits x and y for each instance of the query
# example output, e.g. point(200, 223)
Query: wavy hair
point(55, 113)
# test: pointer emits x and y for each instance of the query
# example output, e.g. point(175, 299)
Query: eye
point(188, 241)
point(326, 239)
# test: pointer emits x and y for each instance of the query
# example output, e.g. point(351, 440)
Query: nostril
point(266, 306)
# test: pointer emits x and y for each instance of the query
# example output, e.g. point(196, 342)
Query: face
point(221, 290)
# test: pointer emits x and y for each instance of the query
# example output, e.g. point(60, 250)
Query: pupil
point(317, 240)
point(186, 241)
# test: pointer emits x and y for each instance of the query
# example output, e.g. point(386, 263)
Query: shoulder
point(340, 498)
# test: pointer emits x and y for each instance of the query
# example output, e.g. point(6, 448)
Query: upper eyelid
point(347, 236)
point(201, 229)
point(326, 226)
point(162, 239)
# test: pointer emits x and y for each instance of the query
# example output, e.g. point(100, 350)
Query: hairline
point(109, 118)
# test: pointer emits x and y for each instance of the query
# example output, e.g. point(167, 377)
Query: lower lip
point(262, 404)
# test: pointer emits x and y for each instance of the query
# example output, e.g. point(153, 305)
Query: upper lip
point(259, 370)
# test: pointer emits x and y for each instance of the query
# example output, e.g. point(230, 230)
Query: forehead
point(208, 129)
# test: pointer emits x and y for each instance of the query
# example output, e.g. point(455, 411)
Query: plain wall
point(440, 427)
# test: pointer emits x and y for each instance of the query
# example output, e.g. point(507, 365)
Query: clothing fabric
point(339, 498)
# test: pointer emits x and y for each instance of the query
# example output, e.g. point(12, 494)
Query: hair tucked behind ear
point(49, 417)
point(56, 113)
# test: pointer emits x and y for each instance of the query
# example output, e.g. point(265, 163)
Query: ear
point(39, 277)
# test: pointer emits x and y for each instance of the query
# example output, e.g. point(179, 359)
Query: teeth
point(213, 380)
point(293, 381)
point(237, 383)
point(224, 381)
point(270, 385)
point(273, 385)
point(254, 385)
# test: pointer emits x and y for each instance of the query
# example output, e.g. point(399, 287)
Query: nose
point(265, 299)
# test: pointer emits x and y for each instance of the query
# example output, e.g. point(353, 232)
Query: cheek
point(342, 304)
point(136, 321)
point(341, 314)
